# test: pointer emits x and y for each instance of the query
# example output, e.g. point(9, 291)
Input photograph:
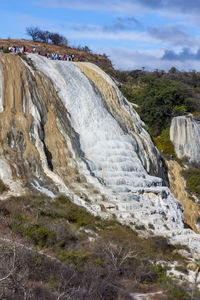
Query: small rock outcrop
point(185, 135)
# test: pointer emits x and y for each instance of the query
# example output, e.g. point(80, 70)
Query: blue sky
point(155, 34)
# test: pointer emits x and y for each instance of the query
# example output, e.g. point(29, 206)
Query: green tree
point(157, 98)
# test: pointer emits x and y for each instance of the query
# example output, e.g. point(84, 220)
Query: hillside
point(161, 95)
point(101, 60)
point(51, 248)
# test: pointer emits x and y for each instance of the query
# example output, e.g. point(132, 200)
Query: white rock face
point(110, 153)
point(185, 135)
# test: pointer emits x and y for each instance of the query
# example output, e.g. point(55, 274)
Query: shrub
point(160, 271)
point(146, 274)
point(160, 243)
point(164, 144)
point(78, 258)
point(179, 110)
point(192, 177)
point(6, 50)
point(140, 227)
point(73, 213)
point(35, 232)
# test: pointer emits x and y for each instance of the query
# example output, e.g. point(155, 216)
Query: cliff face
point(185, 135)
point(66, 128)
point(177, 187)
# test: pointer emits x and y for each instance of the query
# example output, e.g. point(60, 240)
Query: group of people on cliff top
point(53, 56)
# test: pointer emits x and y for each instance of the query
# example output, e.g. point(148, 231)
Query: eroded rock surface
point(177, 187)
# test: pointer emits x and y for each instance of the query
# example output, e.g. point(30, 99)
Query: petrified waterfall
point(185, 135)
point(66, 128)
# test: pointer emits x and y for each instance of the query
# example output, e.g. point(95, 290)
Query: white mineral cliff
point(185, 135)
point(65, 127)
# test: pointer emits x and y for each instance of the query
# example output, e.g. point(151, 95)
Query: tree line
point(45, 36)
point(55, 38)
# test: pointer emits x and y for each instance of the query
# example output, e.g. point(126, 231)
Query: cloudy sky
point(154, 34)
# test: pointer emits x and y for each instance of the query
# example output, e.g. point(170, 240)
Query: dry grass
point(104, 266)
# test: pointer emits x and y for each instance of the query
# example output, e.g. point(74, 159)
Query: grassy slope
point(106, 258)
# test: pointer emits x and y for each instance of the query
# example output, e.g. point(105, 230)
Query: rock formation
point(177, 187)
point(66, 128)
point(185, 135)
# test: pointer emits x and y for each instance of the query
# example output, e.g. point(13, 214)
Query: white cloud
point(174, 35)
point(174, 8)
point(97, 32)
point(125, 59)
point(166, 37)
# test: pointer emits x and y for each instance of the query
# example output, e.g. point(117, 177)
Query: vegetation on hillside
point(159, 100)
point(192, 177)
point(161, 95)
point(57, 250)
point(166, 147)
